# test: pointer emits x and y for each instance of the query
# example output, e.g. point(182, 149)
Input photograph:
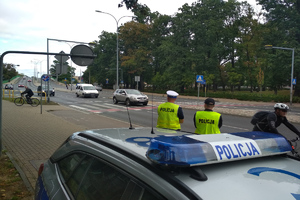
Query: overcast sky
point(25, 25)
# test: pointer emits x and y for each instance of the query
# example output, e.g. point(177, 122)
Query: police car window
point(89, 178)
point(103, 182)
point(68, 164)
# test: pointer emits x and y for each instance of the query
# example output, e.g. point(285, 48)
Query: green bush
point(245, 96)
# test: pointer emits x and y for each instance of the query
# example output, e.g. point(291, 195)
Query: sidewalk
point(31, 137)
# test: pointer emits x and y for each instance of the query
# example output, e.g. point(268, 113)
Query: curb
point(21, 172)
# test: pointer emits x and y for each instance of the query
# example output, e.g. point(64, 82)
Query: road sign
point(45, 78)
point(199, 79)
point(61, 69)
point(294, 81)
point(62, 58)
point(82, 50)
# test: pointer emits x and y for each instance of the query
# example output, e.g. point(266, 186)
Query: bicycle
point(19, 101)
point(293, 143)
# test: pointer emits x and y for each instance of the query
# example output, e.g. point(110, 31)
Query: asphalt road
point(147, 115)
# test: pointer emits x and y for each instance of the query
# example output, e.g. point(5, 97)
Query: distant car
point(9, 86)
point(20, 85)
point(151, 164)
point(29, 80)
point(86, 90)
point(99, 88)
point(45, 90)
point(130, 97)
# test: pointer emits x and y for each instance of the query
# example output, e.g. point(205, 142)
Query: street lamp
point(292, 71)
point(117, 21)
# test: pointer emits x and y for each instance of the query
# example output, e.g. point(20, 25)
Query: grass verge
point(12, 186)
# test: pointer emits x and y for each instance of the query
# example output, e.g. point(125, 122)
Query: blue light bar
point(191, 150)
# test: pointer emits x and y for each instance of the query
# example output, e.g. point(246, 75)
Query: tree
point(283, 18)
point(135, 52)
point(9, 71)
point(104, 65)
point(60, 77)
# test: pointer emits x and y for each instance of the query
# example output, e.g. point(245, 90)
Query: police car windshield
point(133, 92)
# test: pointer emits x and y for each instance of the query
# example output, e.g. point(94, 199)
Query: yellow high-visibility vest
point(207, 122)
point(167, 116)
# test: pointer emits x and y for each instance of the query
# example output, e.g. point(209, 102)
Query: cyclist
point(29, 93)
point(272, 120)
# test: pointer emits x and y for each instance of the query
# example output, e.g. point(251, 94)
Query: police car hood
point(264, 178)
point(232, 176)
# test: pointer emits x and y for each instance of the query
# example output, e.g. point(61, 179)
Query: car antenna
point(129, 118)
point(152, 131)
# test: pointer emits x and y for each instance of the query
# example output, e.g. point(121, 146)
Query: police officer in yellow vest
point(170, 115)
point(208, 121)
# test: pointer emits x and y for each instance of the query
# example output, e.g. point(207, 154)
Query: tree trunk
point(275, 90)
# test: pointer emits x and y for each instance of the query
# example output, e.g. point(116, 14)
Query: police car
point(152, 163)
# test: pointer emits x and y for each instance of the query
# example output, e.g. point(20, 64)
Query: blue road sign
point(200, 79)
point(294, 81)
point(45, 78)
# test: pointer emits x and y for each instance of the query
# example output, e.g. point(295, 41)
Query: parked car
point(86, 90)
point(130, 97)
point(145, 163)
point(98, 87)
point(9, 86)
point(44, 90)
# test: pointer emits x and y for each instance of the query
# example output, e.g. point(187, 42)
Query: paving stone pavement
point(31, 137)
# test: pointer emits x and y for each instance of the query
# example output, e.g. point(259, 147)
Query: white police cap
point(172, 94)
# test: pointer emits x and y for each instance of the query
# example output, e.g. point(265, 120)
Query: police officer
point(208, 121)
point(170, 115)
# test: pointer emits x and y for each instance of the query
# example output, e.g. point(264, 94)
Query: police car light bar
point(192, 150)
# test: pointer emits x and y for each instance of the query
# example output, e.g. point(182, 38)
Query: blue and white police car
point(148, 164)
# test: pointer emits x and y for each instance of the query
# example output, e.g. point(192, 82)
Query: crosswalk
point(107, 107)
point(101, 107)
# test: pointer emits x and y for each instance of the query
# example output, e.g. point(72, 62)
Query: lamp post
point(292, 71)
point(117, 21)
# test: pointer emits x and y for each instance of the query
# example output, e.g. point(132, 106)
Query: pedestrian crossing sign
point(199, 79)
point(294, 81)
